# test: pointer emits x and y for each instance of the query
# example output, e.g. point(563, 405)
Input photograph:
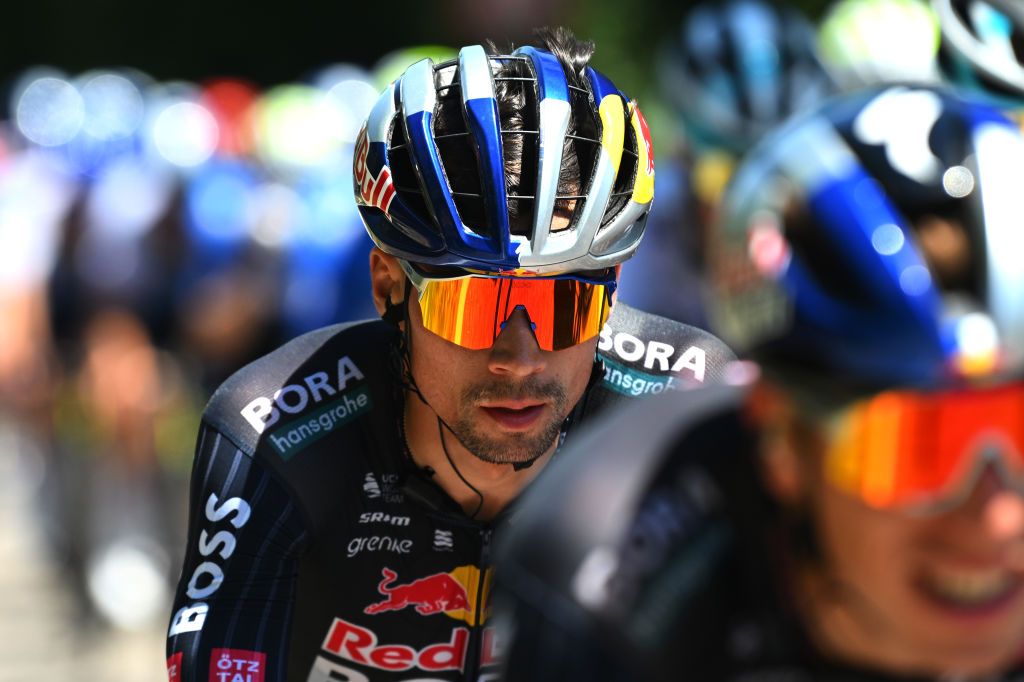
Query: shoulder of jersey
point(319, 366)
point(645, 353)
point(576, 518)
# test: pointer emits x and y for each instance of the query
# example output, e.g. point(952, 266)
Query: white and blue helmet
point(983, 47)
point(446, 174)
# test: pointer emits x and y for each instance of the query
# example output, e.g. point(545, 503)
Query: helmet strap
point(396, 313)
point(441, 426)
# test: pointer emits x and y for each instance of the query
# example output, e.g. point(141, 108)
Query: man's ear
point(386, 280)
point(776, 419)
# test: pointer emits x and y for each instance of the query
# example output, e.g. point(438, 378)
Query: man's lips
point(515, 415)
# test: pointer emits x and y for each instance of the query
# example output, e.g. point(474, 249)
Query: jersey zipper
point(474, 650)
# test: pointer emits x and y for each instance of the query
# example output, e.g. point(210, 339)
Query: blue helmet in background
point(436, 181)
point(877, 242)
point(735, 70)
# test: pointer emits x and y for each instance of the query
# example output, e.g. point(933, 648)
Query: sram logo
point(294, 398)
point(631, 349)
point(381, 517)
point(208, 575)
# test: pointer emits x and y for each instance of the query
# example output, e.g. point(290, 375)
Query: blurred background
point(175, 200)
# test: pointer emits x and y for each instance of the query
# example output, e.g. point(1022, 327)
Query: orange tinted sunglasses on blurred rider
point(914, 450)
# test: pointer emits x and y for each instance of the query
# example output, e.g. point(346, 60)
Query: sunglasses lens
point(906, 449)
point(470, 311)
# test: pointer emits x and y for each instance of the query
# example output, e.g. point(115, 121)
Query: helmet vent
point(515, 84)
point(458, 157)
point(402, 172)
point(626, 177)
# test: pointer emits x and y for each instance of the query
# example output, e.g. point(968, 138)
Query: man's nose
point(515, 352)
point(997, 508)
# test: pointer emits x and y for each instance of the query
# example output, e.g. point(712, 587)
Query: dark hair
point(518, 112)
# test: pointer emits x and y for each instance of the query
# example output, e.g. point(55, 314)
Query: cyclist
point(730, 72)
point(872, 42)
point(346, 486)
point(981, 48)
point(852, 508)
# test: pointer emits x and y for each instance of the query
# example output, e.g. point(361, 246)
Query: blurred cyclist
point(731, 72)
point(873, 42)
point(982, 48)
point(856, 513)
point(346, 486)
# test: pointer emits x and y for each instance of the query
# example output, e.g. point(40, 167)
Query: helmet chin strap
point(398, 315)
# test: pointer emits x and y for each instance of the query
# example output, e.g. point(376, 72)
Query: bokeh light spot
point(887, 239)
point(50, 112)
point(185, 134)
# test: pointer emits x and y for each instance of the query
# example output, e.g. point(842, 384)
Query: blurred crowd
point(156, 236)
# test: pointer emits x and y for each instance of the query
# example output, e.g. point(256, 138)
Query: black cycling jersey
point(665, 566)
point(317, 549)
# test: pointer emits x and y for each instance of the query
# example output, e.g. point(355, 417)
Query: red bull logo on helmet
point(453, 594)
point(376, 190)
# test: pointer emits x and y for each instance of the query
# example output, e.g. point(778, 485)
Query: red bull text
point(360, 645)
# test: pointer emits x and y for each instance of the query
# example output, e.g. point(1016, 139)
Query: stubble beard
point(509, 448)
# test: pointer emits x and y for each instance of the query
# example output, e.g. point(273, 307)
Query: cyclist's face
point(927, 594)
point(943, 591)
point(506, 403)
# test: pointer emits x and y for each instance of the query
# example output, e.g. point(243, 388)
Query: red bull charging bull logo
point(453, 594)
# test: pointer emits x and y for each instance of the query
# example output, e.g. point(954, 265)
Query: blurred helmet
point(983, 46)
point(876, 242)
point(871, 42)
point(464, 163)
point(735, 70)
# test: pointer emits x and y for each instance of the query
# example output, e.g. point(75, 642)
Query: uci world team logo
point(455, 594)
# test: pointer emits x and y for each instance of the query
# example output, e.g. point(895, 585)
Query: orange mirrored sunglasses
point(471, 310)
point(916, 450)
